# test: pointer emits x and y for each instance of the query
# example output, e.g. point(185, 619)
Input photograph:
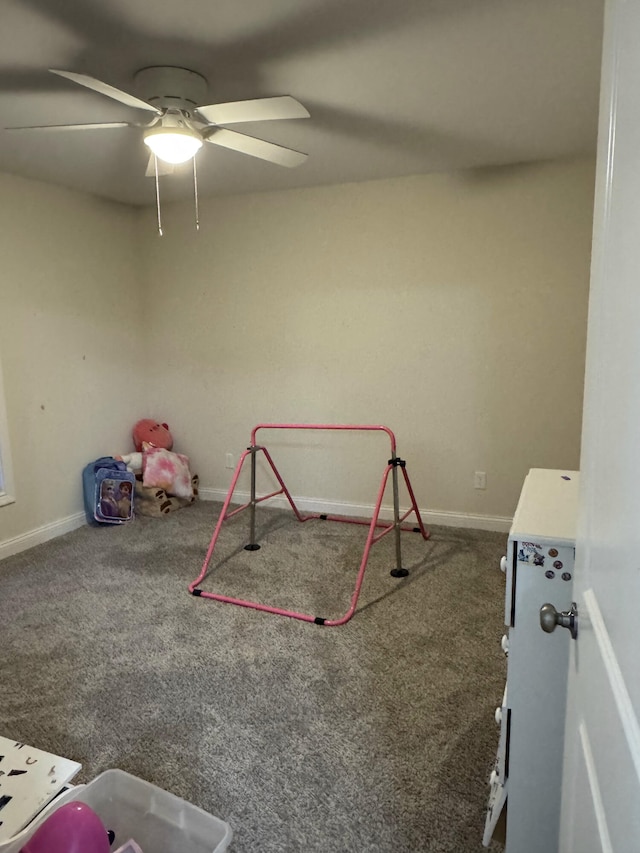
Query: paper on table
point(29, 779)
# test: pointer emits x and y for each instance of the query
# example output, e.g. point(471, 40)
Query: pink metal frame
point(397, 525)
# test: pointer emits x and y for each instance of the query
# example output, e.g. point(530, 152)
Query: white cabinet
point(539, 564)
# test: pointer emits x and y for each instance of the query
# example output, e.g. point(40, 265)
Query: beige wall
point(450, 307)
point(69, 342)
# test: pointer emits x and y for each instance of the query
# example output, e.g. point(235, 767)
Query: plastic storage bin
point(158, 821)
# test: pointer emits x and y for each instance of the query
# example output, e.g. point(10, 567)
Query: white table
point(29, 779)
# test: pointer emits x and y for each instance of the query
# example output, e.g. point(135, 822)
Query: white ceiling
point(394, 87)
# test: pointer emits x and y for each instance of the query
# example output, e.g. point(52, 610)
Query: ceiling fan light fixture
point(173, 144)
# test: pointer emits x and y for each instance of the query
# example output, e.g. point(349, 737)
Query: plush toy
point(164, 469)
point(163, 479)
point(153, 433)
point(133, 461)
point(156, 502)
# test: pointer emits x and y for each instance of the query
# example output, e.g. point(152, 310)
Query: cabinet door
point(537, 674)
point(495, 818)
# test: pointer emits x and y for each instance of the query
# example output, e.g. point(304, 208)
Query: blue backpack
point(108, 491)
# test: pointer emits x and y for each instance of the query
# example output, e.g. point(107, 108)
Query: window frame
point(7, 486)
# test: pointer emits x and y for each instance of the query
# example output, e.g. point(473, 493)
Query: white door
point(601, 780)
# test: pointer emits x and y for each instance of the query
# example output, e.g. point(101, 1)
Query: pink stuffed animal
point(148, 431)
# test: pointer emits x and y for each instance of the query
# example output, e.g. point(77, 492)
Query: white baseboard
point(448, 519)
point(12, 546)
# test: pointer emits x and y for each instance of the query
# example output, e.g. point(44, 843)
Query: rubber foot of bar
point(399, 573)
point(252, 547)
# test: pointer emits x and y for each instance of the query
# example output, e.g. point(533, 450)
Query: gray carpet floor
point(374, 736)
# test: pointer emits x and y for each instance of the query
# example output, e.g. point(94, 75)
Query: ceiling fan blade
point(106, 89)
point(255, 147)
point(163, 168)
point(260, 109)
point(100, 126)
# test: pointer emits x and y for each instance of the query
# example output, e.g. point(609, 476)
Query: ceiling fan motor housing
point(168, 87)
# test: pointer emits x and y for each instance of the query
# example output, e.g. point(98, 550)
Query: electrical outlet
point(480, 480)
point(229, 460)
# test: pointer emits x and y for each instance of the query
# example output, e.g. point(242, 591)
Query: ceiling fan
point(181, 123)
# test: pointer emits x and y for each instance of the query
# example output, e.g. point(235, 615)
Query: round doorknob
point(550, 618)
point(503, 564)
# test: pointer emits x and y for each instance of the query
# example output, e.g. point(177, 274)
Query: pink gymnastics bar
point(397, 525)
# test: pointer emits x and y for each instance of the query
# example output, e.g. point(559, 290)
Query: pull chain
point(155, 163)
point(195, 193)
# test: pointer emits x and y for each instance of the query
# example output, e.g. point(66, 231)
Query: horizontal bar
point(348, 427)
point(372, 524)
